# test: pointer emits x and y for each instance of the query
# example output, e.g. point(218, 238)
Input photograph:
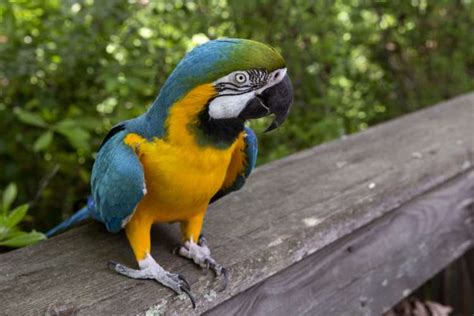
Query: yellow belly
point(180, 180)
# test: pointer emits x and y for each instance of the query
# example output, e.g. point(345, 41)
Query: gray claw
point(201, 255)
point(112, 264)
point(175, 249)
point(225, 274)
point(186, 283)
point(174, 281)
point(188, 293)
point(219, 270)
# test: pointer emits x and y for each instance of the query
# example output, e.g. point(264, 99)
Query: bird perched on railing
point(189, 149)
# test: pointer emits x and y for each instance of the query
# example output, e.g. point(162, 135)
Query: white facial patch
point(229, 106)
point(238, 88)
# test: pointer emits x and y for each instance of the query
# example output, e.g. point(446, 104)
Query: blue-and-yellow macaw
point(189, 149)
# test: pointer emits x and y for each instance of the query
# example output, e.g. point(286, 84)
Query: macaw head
point(235, 80)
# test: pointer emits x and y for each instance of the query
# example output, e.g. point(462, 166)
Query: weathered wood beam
point(376, 266)
point(290, 211)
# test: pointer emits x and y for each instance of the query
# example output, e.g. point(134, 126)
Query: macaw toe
point(201, 255)
point(173, 281)
point(218, 270)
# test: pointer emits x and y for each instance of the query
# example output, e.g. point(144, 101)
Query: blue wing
point(118, 181)
point(251, 150)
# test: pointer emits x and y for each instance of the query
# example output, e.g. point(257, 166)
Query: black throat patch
point(220, 133)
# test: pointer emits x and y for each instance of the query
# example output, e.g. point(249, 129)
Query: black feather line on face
point(252, 75)
point(257, 78)
point(229, 85)
point(233, 85)
point(239, 92)
point(235, 93)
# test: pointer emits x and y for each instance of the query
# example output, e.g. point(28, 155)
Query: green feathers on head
point(248, 54)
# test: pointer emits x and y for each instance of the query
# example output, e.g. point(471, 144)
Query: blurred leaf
point(10, 234)
point(66, 124)
point(31, 118)
point(16, 216)
point(4, 230)
point(23, 239)
point(43, 141)
point(90, 123)
point(77, 136)
point(9, 196)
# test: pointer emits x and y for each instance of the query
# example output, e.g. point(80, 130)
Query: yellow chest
point(184, 176)
point(180, 180)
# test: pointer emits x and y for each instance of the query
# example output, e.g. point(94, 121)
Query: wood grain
point(289, 210)
point(373, 268)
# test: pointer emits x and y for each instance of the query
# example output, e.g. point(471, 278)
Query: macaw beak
point(275, 100)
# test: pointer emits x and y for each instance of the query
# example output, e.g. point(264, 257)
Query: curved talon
point(219, 270)
point(188, 293)
point(186, 283)
point(225, 275)
point(112, 264)
point(200, 254)
point(174, 281)
point(175, 249)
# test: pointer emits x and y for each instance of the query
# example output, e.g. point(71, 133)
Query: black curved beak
point(275, 100)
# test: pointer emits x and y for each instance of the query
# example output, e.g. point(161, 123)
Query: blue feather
point(75, 219)
point(117, 182)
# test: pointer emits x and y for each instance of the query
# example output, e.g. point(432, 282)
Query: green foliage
point(70, 70)
point(10, 233)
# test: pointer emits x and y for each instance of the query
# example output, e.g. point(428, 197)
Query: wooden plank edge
point(370, 270)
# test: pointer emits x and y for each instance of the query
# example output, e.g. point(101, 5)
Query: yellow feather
point(237, 162)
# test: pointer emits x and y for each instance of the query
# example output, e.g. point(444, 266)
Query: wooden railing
point(347, 228)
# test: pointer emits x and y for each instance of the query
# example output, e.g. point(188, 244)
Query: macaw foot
point(150, 269)
point(201, 255)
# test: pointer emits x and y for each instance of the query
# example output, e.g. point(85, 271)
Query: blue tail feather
point(76, 218)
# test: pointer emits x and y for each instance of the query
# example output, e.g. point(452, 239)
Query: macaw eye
point(240, 77)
